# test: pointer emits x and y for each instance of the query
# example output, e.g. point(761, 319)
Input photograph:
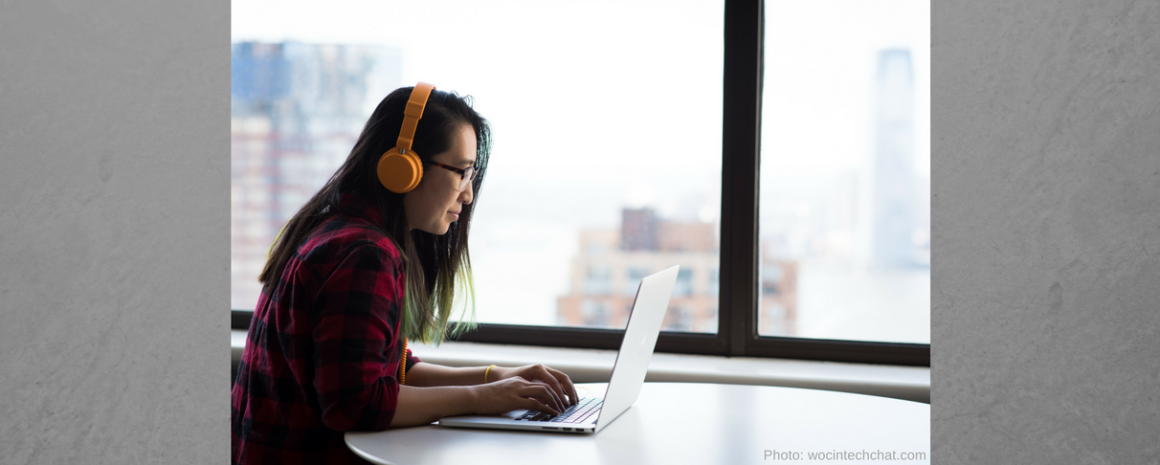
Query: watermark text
point(843, 455)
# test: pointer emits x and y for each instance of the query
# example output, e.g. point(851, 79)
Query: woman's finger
point(563, 385)
point(551, 379)
point(546, 392)
point(566, 385)
point(537, 389)
point(543, 398)
point(529, 403)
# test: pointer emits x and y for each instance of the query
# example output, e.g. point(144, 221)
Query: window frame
point(738, 299)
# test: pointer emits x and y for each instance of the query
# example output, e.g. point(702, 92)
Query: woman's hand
point(516, 393)
point(560, 383)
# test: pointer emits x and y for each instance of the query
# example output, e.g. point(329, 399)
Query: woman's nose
point(467, 193)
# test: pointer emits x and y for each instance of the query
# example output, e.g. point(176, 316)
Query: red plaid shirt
point(322, 353)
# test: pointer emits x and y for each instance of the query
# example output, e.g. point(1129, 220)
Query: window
point(844, 221)
point(648, 192)
point(635, 191)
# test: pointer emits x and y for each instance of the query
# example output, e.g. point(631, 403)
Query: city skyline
point(612, 262)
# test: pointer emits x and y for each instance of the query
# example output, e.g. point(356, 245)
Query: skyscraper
point(894, 200)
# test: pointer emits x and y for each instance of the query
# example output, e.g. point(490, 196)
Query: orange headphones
point(400, 168)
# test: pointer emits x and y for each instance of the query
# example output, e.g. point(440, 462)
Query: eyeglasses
point(465, 176)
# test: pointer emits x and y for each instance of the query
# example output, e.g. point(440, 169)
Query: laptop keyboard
point(578, 413)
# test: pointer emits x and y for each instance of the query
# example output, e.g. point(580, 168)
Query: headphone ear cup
point(400, 172)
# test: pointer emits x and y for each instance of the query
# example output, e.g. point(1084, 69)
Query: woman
point(365, 265)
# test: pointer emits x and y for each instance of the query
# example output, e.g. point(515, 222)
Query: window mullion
point(740, 147)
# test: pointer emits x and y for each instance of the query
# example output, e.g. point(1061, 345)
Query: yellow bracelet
point(485, 372)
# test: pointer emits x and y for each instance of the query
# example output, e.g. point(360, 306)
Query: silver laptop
point(599, 407)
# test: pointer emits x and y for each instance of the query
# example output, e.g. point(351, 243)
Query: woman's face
point(437, 200)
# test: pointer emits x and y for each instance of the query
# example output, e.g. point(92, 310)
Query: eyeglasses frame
point(463, 179)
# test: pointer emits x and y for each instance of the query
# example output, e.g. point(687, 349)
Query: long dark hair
point(436, 265)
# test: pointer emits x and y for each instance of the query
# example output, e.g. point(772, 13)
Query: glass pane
point(845, 171)
point(606, 119)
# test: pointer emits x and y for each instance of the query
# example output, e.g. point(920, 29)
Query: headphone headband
point(400, 169)
point(414, 111)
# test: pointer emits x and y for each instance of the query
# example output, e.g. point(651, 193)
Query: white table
point(675, 423)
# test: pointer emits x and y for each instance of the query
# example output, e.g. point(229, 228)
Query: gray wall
point(114, 182)
point(1046, 232)
point(114, 232)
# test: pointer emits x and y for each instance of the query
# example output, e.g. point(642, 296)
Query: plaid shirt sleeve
point(357, 320)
